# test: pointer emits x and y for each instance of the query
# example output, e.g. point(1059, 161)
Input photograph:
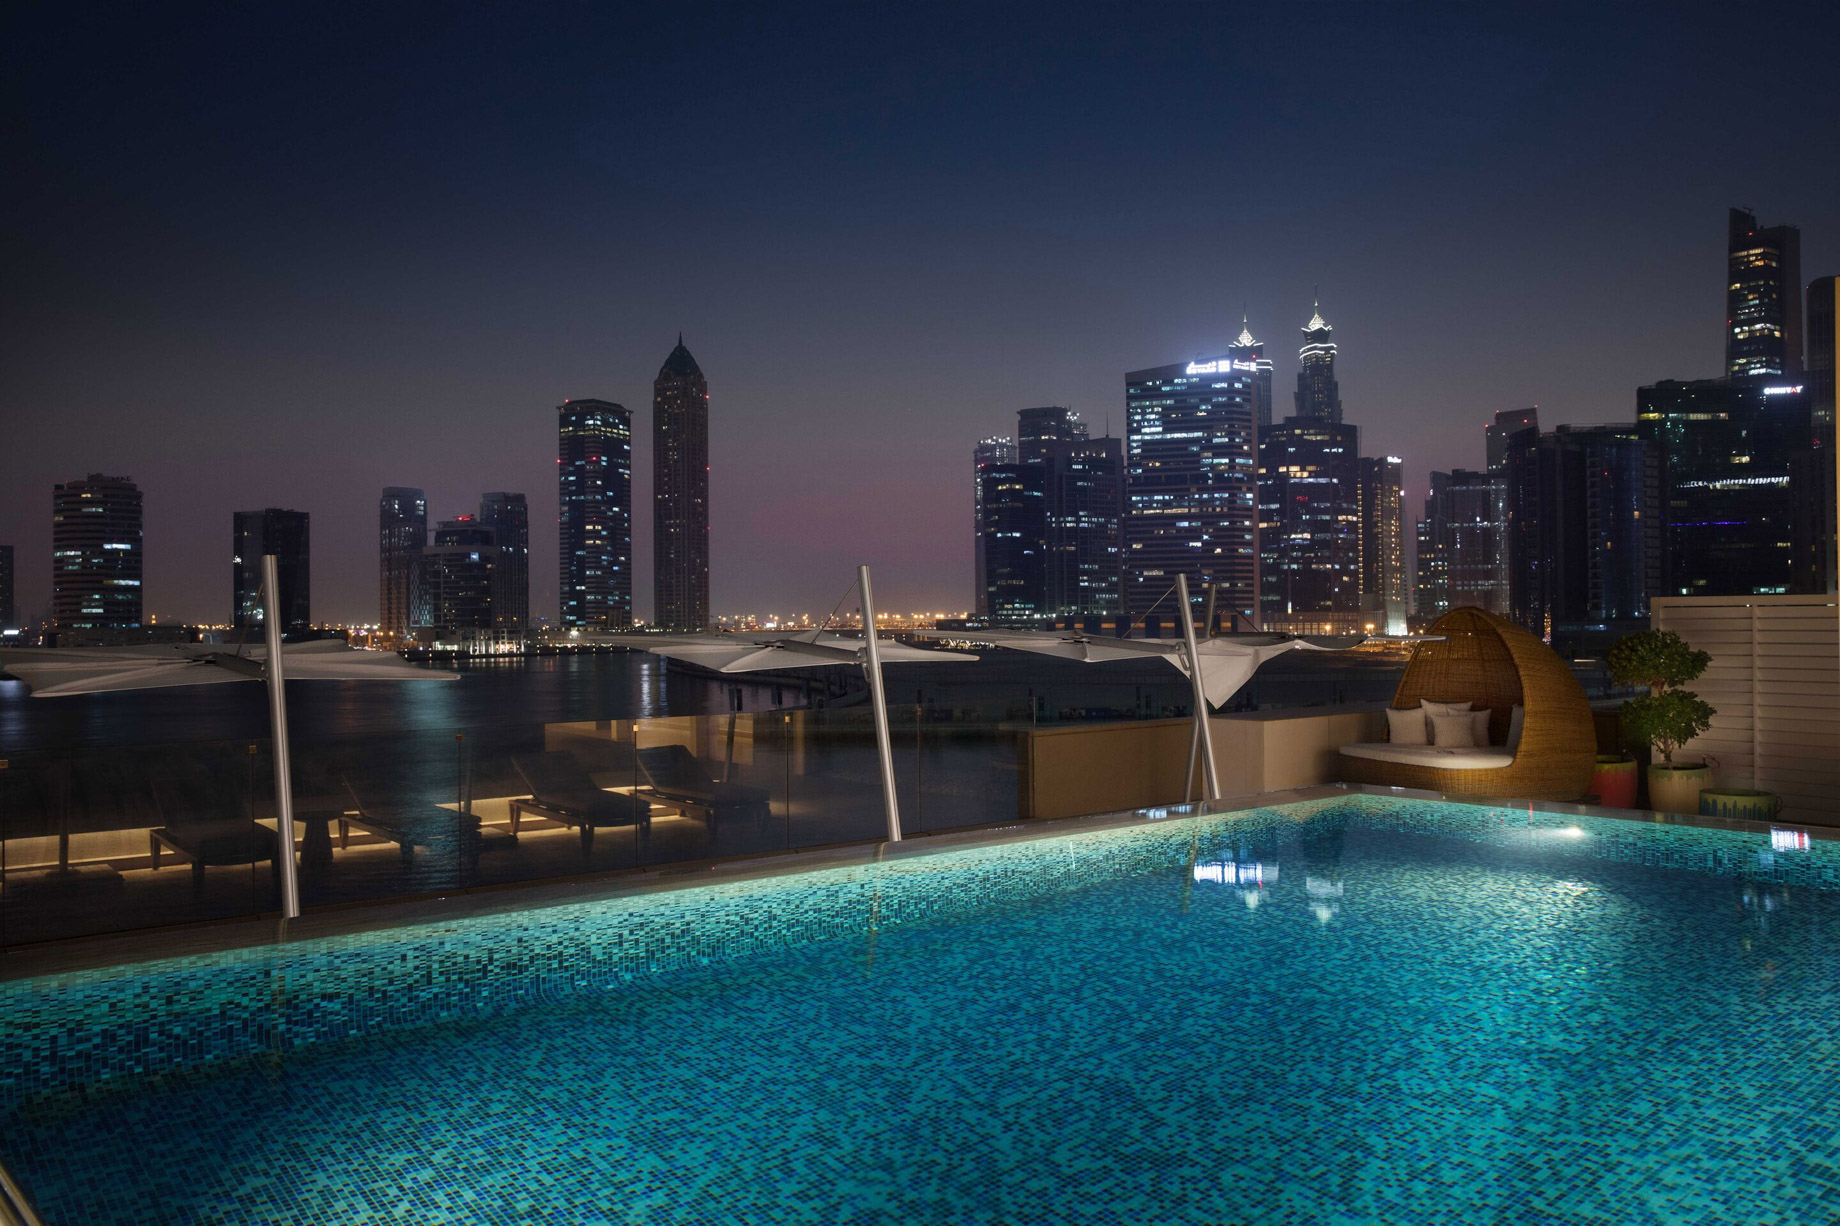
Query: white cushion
point(1515, 719)
point(1406, 726)
point(1442, 708)
point(1456, 731)
point(1480, 722)
point(1478, 758)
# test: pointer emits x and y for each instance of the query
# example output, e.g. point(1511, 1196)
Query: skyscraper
point(1083, 541)
point(1249, 355)
point(1319, 397)
point(1191, 486)
point(1823, 341)
point(1763, 298)
point(1385, 587)
point(1015, 534)
point(96, 554)
point(459, 579)
point(594, 475)
point(284, 534)
point(1036, 429)
point(402, 534)
point(1507, 423)
point(680, 493)
point(987, 453)
point(508, 516)
point(1729, 452)
point(1584, 548)
point(1310, 526)
point(1462, 545)
point(9, 610)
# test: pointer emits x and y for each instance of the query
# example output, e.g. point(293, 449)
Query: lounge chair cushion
point(1471, 758)
point(1432, 709)
point(1406, 725)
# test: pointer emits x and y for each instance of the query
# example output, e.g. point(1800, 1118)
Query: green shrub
point(1658, 659)
point(1666, 720)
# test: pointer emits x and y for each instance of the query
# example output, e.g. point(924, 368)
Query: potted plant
point(1667, 717)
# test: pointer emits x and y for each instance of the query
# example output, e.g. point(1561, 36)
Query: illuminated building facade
point(1015, 534)
point(9, 609)
point(459, 573)
point(594, 477)
point(991, 451)
point(1763, 299)
point(1463, 545)
point(508, 516)
point(1249, 355)
point(1310, 526)
point(1507, 423)
point(680, 493)
point(402, 534)
point(1191, 486)
point(284, 534)
point(1385, 587)
point(1083, 508)
point(1730, 451)
point(1818, 378)
point(96, 553)
point(1319, 396)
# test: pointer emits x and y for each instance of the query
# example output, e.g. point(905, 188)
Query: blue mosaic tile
point(1363, 1009)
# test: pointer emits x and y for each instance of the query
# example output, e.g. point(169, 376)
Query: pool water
point(1361, 1010)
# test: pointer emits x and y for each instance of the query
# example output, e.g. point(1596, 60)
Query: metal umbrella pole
point(277, 718)
point(872, 665)
point(1211, 789)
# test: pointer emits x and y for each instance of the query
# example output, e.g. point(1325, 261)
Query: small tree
point(1658, 659)
point(1666, 720)
point(1667, 717)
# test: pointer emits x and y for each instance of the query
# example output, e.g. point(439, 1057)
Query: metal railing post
point(1211, 787)
point(277, 718)
point(872, 665)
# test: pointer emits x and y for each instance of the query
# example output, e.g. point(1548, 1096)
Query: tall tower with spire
point(680, 493)
point(1318, 396)
point(1249, 355)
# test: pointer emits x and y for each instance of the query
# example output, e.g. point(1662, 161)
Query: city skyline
point(861, 325)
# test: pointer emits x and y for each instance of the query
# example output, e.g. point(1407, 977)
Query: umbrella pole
point(277, 718)
point(1211, 790)
point(872, 664)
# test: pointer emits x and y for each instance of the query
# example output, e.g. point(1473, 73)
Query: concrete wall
point(1100, 768)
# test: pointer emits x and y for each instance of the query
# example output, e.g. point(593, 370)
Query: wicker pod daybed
point(1495, 665)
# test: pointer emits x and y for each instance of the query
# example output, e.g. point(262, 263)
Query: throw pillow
point(1441, 708)
point(1453, 731)
point(1515, 719)
point(1481, 731)
point(1406, 726)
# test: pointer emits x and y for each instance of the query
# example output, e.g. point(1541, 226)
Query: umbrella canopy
point(758, 651)
point(55, 672)
point(1227, 662)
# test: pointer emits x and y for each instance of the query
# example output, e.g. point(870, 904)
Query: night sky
point(267, 256)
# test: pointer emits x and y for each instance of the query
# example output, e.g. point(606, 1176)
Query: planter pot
point(1614, 781)
point(1676, 789)
point(1738, 802)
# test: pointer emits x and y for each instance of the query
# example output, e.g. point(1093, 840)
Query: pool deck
point(124, 950)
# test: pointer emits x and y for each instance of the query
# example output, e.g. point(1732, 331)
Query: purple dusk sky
point(261, 256)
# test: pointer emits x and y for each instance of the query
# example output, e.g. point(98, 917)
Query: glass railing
point(105, 840)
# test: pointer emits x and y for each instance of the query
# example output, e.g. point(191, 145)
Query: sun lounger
point(409, 822)
point(675, 774)
point(206, 821)
point(562, 790)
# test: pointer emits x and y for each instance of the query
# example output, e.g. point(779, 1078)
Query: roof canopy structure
point(57, 672)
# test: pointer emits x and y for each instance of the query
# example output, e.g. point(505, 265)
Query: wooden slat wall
point(1775, 679)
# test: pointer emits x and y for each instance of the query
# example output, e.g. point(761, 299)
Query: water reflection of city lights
point(1228, 872)
point(1789, 840)
point(1325, 897)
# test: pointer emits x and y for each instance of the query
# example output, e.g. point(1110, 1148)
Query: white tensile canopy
point(56, 672)
point(758, 651)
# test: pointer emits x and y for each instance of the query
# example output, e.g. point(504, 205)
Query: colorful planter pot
point(1738, 802)
point(1613, 782)
point(1676, 789)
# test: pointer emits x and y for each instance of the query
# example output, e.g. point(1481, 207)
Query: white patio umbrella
point(56, 672)
point(757, 651)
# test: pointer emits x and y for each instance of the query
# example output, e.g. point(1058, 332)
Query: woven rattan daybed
point(1494, 665)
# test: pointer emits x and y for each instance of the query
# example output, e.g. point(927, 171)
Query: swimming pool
point(1358, 1008)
